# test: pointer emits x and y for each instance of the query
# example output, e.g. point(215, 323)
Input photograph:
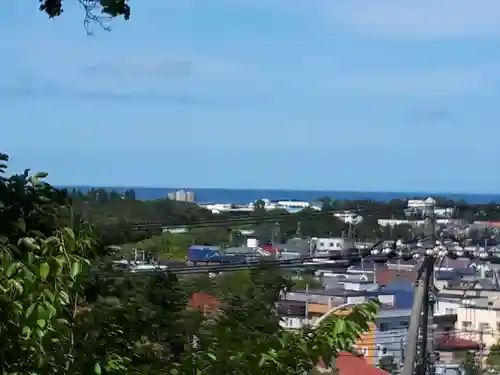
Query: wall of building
point(365, 345)
point(446, 307)
point(478, 324)
point(294, 322)
point(391, 335)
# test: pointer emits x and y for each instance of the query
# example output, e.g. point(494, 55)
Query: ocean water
point(243, 196)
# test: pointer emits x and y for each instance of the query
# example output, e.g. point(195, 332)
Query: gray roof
point(240, 250)
point(472, 284)
point(294, 245)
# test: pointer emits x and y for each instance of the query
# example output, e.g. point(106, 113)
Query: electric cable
point(343, 262)
point(247, 220)
point(349, 257)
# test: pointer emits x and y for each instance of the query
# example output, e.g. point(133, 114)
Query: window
point(383, 327)
point(322, 244)
point(466, 324)
point(331, 244)
point(449, 311)
point(484, 327)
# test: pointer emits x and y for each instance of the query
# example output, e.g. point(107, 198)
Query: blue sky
point(334, 95)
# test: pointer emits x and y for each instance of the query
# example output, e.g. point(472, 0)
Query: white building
point(349, 217)
point(333, 244)
point(182, 196)
point(290, 206)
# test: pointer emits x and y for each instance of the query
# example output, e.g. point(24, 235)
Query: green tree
point(96, 11)
point(40, 262)
point(388, 364)
point(135, 325)
point(470, 364)
point(306, 281)
point(493, 359)
point(259, 207)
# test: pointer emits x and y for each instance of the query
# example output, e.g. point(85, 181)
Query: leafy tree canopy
point(493, 359)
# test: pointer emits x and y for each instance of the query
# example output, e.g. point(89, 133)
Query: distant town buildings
point(182, 196)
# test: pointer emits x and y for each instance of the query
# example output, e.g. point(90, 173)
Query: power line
point(247, 220)
point(341, 262)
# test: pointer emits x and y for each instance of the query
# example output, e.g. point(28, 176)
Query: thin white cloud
point(158, 66)
point(419, 19)
point(437, 82)
point(153, 67)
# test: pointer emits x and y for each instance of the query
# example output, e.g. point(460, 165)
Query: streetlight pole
point(427, 332)
point(333, 310)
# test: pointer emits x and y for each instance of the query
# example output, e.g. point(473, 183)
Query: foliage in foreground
point(96, 11)
point(493, 359)
point(65, 310)
point(388, 364)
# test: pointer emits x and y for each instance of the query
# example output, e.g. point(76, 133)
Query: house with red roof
point(203, 301)
point(350, 364)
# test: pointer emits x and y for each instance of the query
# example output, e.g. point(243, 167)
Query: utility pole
point(298, 232)
point(481, 349)
point(426, 317)
point(277, 234)
point(421, 322)
point(426, 365)
point(410, 353)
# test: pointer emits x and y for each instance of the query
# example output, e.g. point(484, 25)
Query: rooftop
point(452, 342)
point(385, 276)
point(349, 364)
point(203, 301)
point(337, 292)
